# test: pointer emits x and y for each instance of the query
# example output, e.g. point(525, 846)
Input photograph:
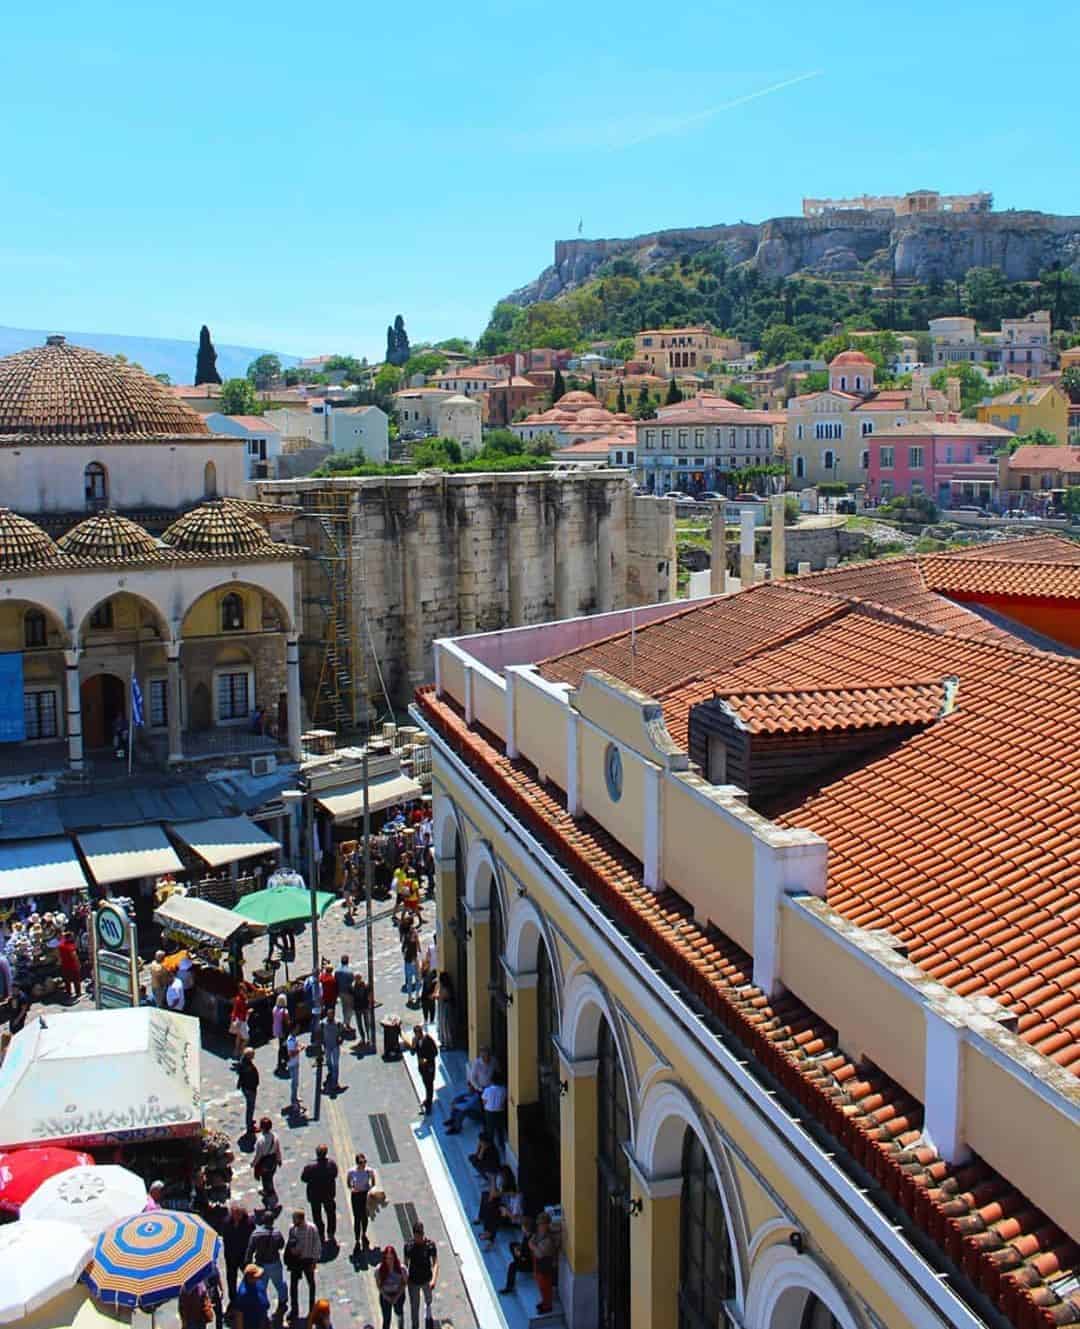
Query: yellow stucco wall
point(1051, 413)
point(204, 617)
point(709, 860)
point(541, 730)
point(489, 703)
point(871, 1013)
point(625, 819)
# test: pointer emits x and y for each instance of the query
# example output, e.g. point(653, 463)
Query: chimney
point(746, 547)
point(952, 388)
point(56, 339)
point(718, 564)
point(918, 395)
point(778, 547)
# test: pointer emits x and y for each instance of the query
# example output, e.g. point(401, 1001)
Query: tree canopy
point(238, 398)
point(1070, 383)
point(206, 370)
point(264, 370)
point(397, 342)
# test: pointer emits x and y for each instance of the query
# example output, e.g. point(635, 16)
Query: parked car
point(747, 498)
point(677, 493)
point(709, 496)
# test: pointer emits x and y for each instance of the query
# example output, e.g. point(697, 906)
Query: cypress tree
point(592, 386)
point(391, 345)
point(558, 387)
point(620, 401)
point(397, 343)
point(673, 394)
point(206, 359)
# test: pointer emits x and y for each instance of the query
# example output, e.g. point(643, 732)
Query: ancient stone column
point(746, 548)
point(718, 563)
point(292, 692)
point(176, 743)
point(74, 710)
point(778, 538)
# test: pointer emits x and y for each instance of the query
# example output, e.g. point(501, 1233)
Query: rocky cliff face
point(923, 249)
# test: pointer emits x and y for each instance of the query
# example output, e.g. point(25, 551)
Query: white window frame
point(34, 691)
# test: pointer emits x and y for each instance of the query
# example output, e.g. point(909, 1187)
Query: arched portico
point(481, 886)
point(786, 1289)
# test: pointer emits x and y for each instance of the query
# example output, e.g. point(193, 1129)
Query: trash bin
point(391, 1040)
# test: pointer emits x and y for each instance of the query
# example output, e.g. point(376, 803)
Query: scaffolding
point(340, 698)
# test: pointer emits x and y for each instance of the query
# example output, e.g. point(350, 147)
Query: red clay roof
point(1035, 457)
point(787, 710)
point(982, 579)
point(1025, 1264)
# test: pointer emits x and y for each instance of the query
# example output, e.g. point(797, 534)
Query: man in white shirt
point(469, 1103)
point(174, 994)
point(493, 1099)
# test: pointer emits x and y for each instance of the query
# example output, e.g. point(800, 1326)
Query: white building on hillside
point(343, 428)
point(262, 441)
point(437, 413)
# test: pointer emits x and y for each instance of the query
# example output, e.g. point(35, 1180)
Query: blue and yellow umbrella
point(146, 1260)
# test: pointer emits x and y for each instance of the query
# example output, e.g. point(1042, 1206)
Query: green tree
point(541, 445)
point(817, 380)
point(437, 452)
point(387, 380)
point(644, 410)
point(1071, 501)
point(782, 342)
point(397, 343)
point(1070, 383)
point(622, 349)
point(1039, 438)
point(238, 398)
point(264, 370)
point(424, 362)
point(353, 370)
point(558, 387)
point(674, 394)
point(501, 443)
point(620, 400)
point(164, 378)
point(206, 370)
point(973, 386)
point(740, 395)
point(459, 345)
point(592, 386)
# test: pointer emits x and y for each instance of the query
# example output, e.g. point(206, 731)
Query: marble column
point(74, 710)
point(746, 548)
point(718, 561)
point(172, 703)
point(515, 558)
point(292, 694)
point(778, 538)
point(562, 560)
point(445, 910)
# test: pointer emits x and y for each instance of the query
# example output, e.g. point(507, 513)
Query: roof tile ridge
point(840, 609)
point(785, 691)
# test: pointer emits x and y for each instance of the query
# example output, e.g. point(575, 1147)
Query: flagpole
point(131, 713)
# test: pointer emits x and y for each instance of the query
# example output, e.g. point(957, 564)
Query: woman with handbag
point(390, 1280)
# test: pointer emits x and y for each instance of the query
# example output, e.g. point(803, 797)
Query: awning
point(347, 803)
point(127, 852)
point(225, 839)
point(201, 920)
point(39, 867)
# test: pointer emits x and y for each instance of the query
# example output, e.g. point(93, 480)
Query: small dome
point(576, 400)
point(107, 537)
point(219, 528)
point(73, 392)
point(851, 358)
point(23, 544)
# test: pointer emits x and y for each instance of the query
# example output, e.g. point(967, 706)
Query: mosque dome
point(23, 544)
point(220, 528)
point(107, 537)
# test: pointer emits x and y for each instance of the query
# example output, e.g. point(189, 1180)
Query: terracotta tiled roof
point(1043, 548)
point(219, 528)
point(780, 710)
point(108, 537)
point(23, 545)
point(256, 423)
point(59, 392)
point(856, 358)
point(976, 579)
point(1035, 457)
point(1013, 1253)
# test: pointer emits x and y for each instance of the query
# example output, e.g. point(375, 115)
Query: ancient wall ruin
point(438, 555)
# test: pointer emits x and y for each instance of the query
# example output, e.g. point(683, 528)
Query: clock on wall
point(613, 772)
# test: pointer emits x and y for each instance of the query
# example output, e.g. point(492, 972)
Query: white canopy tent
point(222, 840)
point(39, 867)
point(102, 1077)
point(126, 852)
point(185, 916)
point(347, 802)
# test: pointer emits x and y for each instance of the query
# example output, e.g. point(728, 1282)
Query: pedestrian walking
point(445, 1000)
point(429, 986)
point(264, 1252)
point(280, 1025)
point(361, 1181)
point(329, 992)
point(410, 954)
point(175, 995)
point(422, 1262)
point(390, 1280)
point(302, 1252)
point(362, 1009)
point(331, 1036)
point(235, 1236)
point(266, 1159)
point(247, 1081)
point(250, 1304)
point(159, 978)
point(320, 1178)
point(196, 1308)
point(294, 1050)
point(493, 1101)
point(343, 977)
point(70, 966)
point(544, 1248)
point(313, 997)
point(427, 1052)
point(238, 1022)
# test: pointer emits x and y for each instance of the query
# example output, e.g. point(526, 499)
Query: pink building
point(951, 461)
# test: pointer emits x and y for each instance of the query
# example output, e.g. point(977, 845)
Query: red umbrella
point(23, 1170)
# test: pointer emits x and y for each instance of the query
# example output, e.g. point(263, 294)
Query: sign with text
point(115, 956)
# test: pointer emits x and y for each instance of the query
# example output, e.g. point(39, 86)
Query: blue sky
point(295, 176)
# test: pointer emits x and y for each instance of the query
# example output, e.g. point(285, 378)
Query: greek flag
point(136, 702)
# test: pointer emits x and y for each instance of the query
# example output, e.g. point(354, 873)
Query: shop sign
point(115, 953)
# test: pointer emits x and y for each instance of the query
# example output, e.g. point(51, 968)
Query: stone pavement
point(375, 1096)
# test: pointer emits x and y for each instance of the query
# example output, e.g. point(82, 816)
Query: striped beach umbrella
point(149, 1259)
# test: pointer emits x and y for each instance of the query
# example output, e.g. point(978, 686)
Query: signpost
point(114, 953)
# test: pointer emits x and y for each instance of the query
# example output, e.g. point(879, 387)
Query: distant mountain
point(157, 355)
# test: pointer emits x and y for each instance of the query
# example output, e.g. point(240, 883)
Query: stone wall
point(438, 555)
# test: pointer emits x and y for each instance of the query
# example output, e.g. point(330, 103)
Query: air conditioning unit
point(263, 765)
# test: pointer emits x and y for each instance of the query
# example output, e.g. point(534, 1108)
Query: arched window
point(843, 383)
point(613, 1178)
point(232, 613)
point(816, 1315)
point(864, 459)
point(706, 1276)
point(828, 459)
point(102, 616)
point(858, 383)
point(496, 975)
point(95, 485)
point(800, 467)
point(210, 480)
point(35, 630)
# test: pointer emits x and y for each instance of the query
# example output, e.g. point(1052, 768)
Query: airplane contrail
point(675, 126)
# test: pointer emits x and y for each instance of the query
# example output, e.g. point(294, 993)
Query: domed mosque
point(103, 620)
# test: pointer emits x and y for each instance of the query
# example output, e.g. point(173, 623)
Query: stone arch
point(584, 1005)
point(783, 1281)
point(158, 614)
point(210, 488)
point(223, 588)
point(95, 484)
point(446, 826)
point(800, 466)
point(526, 932)
point(481, 875)
point(22, 606)
point(667, 1112)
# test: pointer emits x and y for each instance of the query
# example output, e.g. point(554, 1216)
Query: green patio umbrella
point(279, 906)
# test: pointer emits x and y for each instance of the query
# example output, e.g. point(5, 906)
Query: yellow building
point(668, 350)
point(1027, 409)
point(730, 895)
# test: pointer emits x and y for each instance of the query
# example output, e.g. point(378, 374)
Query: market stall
point(216, 847)
point(213, 938)
point(125, 1084)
